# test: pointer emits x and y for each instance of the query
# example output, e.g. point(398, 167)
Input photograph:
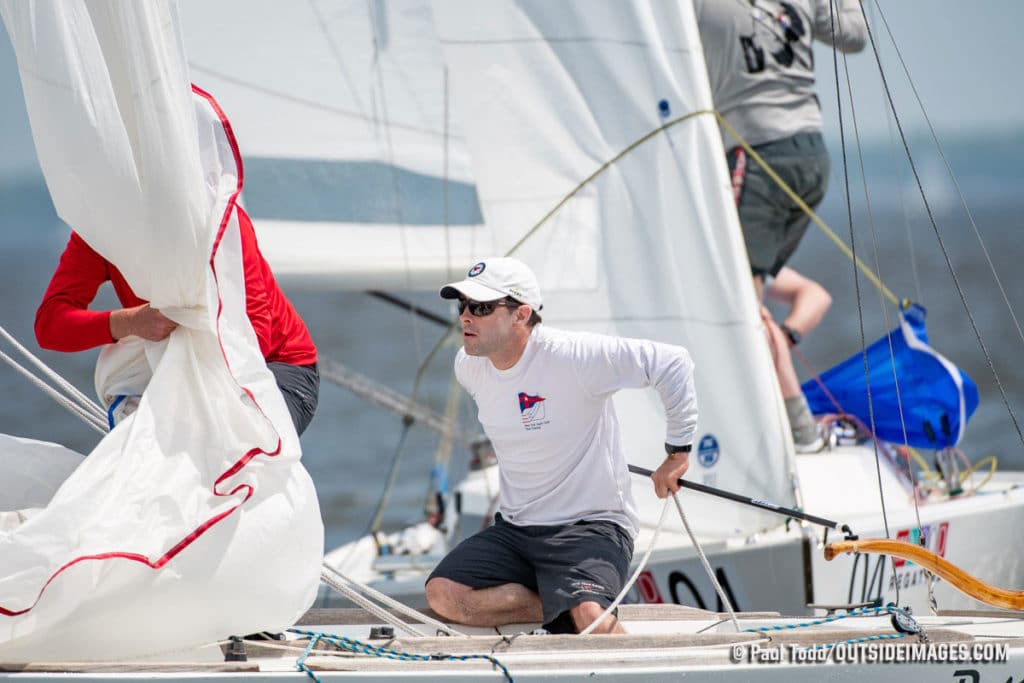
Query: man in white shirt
point(560, 548)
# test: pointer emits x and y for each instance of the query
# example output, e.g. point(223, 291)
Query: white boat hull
point(781, 569)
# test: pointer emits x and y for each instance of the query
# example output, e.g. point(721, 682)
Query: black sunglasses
point(479, 309)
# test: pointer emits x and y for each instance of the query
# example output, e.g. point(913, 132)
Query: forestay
point(546, 93)
point(357, 173)
point(193, 519)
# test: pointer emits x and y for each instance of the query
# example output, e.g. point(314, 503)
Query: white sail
point(651, 248)
point(548, 92)
point(357, 172)
point(193, 519)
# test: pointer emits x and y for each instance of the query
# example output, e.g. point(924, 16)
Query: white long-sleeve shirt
point(553, 427)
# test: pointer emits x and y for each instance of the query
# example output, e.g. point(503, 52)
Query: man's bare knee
point(585, 613)
point(443, 597)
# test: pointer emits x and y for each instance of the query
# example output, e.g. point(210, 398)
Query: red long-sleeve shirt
point(65, 323)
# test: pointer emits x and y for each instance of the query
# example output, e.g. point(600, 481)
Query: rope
point(854, 641)
point(359, 647)
point(859, 612)
point(388, 601)
point(868, 611)
point(632, 580)
point(67, 386)
point(396, 459)
point(856, 279)
point(368, 605)
point(707, 566)
point(86, 415)
point(875, 280)
point(878, 268)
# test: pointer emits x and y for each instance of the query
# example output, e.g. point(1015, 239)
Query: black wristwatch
point(793, 336)
point(672, 449)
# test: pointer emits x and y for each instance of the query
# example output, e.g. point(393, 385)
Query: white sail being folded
point(357, 174)
point(193, 519)
point(549, 91)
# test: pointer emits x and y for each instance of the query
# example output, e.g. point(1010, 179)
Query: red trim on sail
point(241, 462)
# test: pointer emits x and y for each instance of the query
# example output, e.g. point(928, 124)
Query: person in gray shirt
point(760, 62)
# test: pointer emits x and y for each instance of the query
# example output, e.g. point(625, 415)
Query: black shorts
point(565, 565)
point(772, 223)
point(300, 386)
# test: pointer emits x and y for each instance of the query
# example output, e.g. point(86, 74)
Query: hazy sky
point(964, 57)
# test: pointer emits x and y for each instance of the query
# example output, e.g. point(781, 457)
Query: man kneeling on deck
point(560, 547)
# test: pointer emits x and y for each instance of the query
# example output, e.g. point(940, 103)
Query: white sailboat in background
point(649, 247)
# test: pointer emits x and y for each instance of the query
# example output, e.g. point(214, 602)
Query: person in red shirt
point(65, 323)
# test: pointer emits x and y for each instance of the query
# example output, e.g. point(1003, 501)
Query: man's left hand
point(666, 477)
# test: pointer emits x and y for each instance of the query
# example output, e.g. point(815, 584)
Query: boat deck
point(663, 642)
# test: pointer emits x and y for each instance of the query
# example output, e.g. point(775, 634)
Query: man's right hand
point(140, 321)
point(666, 477)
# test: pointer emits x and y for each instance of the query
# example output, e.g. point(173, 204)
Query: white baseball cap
point(496, 278)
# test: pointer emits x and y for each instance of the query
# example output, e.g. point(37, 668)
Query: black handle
point(763, 504)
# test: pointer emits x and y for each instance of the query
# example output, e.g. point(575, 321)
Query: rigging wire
point(72, 399)
point(902, 180)
point(392, 168)
point(407, 420)
point(389, 602)
point(885, 309)
point(443, 454)
point(389, 483)
point(815, 218)
point(445, 182)
point(87, 403)
point(85, 415)
point(339, 63)
point(956, 183)
point(853, 250)
point(938, 235)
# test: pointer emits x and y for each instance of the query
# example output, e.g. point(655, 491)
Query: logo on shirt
point(531, 409)
point(581, 586)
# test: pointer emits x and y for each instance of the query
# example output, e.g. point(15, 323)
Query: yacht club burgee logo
point(532, 410)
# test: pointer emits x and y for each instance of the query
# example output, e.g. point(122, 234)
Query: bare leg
point(509, 603)
point(759, 287)
point(788, 381)
point(584, 614)
point(806, 433)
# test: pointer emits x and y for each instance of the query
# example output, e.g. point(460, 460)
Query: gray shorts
point(565, 565)
point(300, 386)
point(772, 222)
